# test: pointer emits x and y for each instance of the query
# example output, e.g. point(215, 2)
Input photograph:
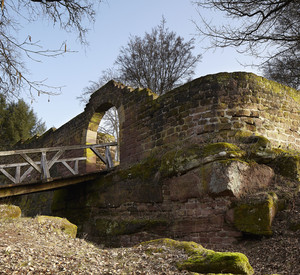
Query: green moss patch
point(143, 170)
point(9, 211)
point(216, 148)
point(202, 260)
point(181, 160)
point(255, 215)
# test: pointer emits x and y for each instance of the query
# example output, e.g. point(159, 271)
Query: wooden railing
point(43, 165)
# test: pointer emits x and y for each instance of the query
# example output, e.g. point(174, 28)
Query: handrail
point(49, 149)
point(43, 166)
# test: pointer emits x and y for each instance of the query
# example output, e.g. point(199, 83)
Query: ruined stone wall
point(179, 177)
point(123, 212)
point(214, 108)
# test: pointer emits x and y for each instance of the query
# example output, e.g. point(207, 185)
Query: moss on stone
point(206, 261)
point(112, 227)
point(215, 262)
point(58, 224)
point(9, 211)
point(180, 160)
point(216, 148)
point(255, 215)
point(183, 159)
point(277, 88)
point(144, 170)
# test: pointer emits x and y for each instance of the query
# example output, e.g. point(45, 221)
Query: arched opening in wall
point(103, 128)
point(109, 131)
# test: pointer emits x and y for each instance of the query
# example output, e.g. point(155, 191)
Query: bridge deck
point(10, 190)
point(37, 160)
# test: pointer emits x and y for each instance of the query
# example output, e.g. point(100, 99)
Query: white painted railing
point(43, 166)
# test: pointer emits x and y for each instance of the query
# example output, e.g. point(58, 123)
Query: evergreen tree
point(17, 122)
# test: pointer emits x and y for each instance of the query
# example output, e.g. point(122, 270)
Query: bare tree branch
point(268, 29)
point(69, 15)
point(160, 60)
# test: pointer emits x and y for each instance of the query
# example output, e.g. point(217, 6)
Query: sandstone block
point(255, 215)
point(9, 211)
point(235, 177)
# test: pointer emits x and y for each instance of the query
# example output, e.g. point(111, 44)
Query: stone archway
point(106, 97)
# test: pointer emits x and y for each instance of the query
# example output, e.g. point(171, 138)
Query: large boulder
point(202, 260)
point(236, 177)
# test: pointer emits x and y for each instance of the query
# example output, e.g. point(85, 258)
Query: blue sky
point(116, 21)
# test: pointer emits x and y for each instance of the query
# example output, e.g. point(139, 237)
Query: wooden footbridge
point(40, 169)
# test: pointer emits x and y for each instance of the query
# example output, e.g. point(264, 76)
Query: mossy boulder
point(255, 214)
point(9, 211)
point(222, 149)
point(181, 160)
point(202, 260)
point(58, 224)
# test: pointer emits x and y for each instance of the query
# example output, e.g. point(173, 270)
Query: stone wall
point(187, 158)
point(189, 194)
point(213, 108)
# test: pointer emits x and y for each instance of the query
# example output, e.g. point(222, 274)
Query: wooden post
point(109, 162)
point(18, 174)
point(45, 174)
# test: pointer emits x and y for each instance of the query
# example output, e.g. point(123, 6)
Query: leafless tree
point(160, 60)
point(284, 69)
point(67, 14)
point(268, 29)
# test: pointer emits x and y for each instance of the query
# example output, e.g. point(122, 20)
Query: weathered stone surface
point(224, 177)
point(235, 177)
point(186, 186)
point(9, 211)
point(59, 224)
point(255, 215)
point(204, 261)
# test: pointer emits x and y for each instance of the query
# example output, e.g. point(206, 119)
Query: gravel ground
point(27, 247)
